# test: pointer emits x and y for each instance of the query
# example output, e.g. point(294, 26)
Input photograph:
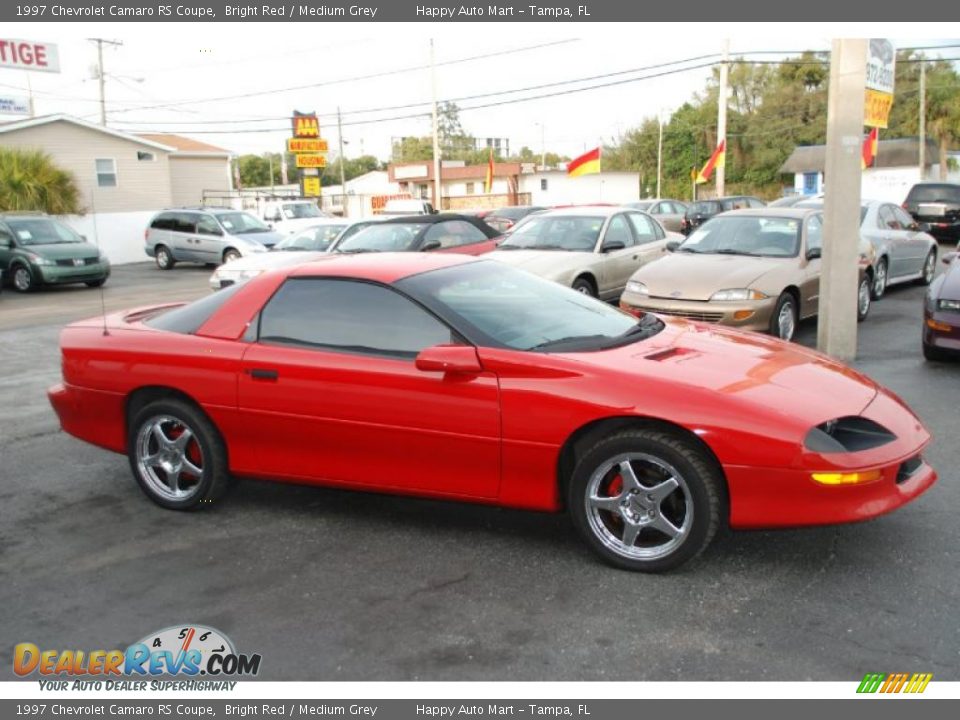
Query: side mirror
point(612, 246)
point(947, 257)
point(460, 359)
point(430, 245)
point(672, 245)
point(814, 253)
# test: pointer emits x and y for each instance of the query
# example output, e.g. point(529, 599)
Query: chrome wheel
point(863, 299)
point(639, 506)
point(168, 458)
point(880, 281)
point(164, 259)
point(929, 268)
point(786, 321)
point(22, 279)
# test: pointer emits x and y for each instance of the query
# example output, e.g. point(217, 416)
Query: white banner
point(14, 105)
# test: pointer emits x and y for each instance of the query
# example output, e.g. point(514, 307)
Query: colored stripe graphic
point(893, 683)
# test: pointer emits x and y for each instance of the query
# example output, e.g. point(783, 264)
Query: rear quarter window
point(189, 318)
point(164, 221)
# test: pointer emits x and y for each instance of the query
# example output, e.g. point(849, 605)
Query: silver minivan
point(205, 235)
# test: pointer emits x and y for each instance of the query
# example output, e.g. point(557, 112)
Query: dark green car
point(37, 250)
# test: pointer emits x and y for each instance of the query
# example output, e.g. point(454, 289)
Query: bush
point(29, 180)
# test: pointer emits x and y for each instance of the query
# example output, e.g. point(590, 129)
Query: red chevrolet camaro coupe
point(461, 378)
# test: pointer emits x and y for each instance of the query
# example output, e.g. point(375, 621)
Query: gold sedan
point(752, 269)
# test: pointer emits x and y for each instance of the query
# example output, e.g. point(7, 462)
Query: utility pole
point(837, 324)
point(101, 75)
point(923, 119)
point(659, 151)
point(543, 147)
point(722, 114)
point(437, 202)
point(273, 189)
point(343, 181)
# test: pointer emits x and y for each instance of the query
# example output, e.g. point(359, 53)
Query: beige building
point(123, 178)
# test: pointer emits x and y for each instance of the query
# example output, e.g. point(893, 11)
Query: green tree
point(29, 180)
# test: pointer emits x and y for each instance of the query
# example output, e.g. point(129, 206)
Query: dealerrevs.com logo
point(890, 683)
point(179, 651)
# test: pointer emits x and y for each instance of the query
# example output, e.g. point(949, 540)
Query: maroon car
point(941, 313)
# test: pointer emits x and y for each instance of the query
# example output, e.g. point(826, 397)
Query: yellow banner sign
point(311, 186)
point(303, 145)
point(311, 161)
point(876, 108)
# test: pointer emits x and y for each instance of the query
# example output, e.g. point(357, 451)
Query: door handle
point(263, 373)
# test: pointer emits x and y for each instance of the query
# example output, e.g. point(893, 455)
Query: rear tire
point(177, 455)
point(863, 298)
point(929, 268)
point(783, 322)
point(880, 280)
point(646, 499)
point(164, 257)
point(585, 286)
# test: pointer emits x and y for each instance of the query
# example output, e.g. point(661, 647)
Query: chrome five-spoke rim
point(928, 268)
point(786, 322)
point(863, 298)
point(639, 506)
point(880, 284)
point(169, 458)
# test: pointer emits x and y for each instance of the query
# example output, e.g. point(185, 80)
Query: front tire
point(584, 286)
point(646, 499)
point(177, 455)
point(880, 280)
point(23, 279)
point(95, 283)
point(783, 322)
point(863, 299)
point(933, 354)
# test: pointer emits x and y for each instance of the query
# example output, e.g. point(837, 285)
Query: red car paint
point(495, 436)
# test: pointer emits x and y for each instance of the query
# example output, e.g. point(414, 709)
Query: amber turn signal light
point(849, 478)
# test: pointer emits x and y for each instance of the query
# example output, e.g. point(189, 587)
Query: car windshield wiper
point(731, 251)
point(686, 249)
point(647, 326)
point(570, 340)
point(354, 251)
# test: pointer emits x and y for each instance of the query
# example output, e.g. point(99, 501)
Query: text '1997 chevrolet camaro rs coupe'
point(458, 378)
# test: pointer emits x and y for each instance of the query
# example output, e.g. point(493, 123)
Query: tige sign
point(29, 55)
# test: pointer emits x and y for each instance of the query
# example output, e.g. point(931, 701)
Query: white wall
point(118, 235)
point(564, 190)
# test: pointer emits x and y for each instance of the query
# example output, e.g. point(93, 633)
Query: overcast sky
point(185, 65)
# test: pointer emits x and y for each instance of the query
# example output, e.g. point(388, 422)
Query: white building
point(555, 187)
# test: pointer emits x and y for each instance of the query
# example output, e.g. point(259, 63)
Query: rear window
point(189, 318)
point(703, 208)
point(164, 221)
point(934, 193)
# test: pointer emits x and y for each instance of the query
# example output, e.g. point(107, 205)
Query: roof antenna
point(96, 242)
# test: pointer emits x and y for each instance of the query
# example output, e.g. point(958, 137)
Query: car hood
point(753, 370)
point(950, 285)
point(269, 239)
point(63, 251)
point(696, 277)
point(271, 260)
point(285, 227)
point(546, 263)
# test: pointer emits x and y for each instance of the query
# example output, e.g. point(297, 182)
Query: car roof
point(380, 267)
point(428, 219)
point(784, 212)
point(583, 210)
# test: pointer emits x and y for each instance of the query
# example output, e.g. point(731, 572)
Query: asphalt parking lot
point(334, 585)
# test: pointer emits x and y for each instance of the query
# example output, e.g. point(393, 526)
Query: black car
point(702, 210)
point(936, 204)
point(503, 219)
point(418, 233)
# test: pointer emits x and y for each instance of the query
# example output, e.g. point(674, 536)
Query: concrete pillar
point(837, 328)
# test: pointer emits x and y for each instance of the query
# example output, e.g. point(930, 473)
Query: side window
point(657, 208)
point(206, 225)
point(163, 221)
point(185, 223)
point(350, 317)
point(886, 220)
point(453, 233)
point(901, 216)
point(618, 231)
point(754, 203)
point(815, 232)
point(644, 228)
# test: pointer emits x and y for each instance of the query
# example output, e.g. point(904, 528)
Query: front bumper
point(937, 337)
point(62, 274)
point(746, 315)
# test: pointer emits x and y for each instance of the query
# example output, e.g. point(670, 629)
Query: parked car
point(502, 219)
point(205, 235)
point(407, 206)
point(302, 247)
point(794, 200)
point(290, 216)
point(668, 213)
point(592, 249)
point(700, 211)
point(446, 232)
point(941, 313)
point(36, 250)
point(752, 269)
point(464, 379)
point(938, 205)
point(903, 252)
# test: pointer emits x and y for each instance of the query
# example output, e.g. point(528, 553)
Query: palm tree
point(29, 180)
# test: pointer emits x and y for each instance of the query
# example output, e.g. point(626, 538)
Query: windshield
point(935, 193)
point(43, 231)
point(293, 211)
point(555, 232)
point(500, 306)
point(386, 237)
point(238, 223)
point(313, 239)
point(704, 208)
point(746, 235)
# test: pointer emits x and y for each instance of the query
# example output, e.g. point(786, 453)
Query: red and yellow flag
point(717, 160)
point(488, 183)
point(868, 155)
point(586, 164)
